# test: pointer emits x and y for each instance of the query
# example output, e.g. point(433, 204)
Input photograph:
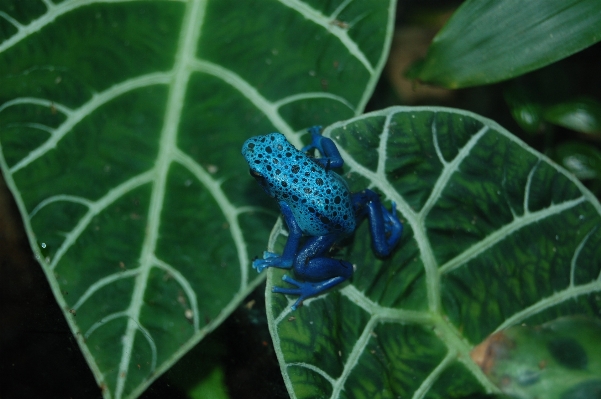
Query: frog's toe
point(301, 291)
point(297, 303)
point(286, 291)
point(267, 255)
point(260, 264)
point(290, 280)
point(305, 289)
point(302, 288)
point(289, 291)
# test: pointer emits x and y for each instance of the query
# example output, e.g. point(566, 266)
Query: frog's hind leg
point(307, 289)
point(385, 227)
point(319, 273)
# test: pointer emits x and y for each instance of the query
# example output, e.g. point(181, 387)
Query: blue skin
point(315, 202)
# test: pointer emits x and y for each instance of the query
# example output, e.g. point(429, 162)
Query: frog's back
point(319, 198)
point(322, 203)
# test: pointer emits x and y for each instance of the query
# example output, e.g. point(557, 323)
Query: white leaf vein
point(427, 383)
point(229, 211)
point(53, 11)
point(103, 282)
point(313, 368)
point(353, 357)
point(94, 209)
point(447, 171)
point(178, 83)
point(577, 254)
point(571, 292)
point(77, 115)
point(505, 231)
point(186, 286)
point(326, 22)
point(269, 109)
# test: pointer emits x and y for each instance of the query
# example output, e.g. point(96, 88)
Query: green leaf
point(120, 130)
point(487, 41)
point(213, 387)
point(582, 115)
point(549, 95)
point(583, 160)
point(496, 235)
point(525, 111)
point(557, 360)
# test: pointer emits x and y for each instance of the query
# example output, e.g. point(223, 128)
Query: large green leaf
point(495, 235)
point(121, 127)
point(488, 41)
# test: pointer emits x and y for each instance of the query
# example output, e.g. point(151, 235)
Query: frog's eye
point(262, 181)
point(255, 174)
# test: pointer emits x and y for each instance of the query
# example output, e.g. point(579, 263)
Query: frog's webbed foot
point(306, 289)
point(270, 259)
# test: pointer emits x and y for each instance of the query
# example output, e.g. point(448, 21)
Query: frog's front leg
point(286, 260)
point(385, 227)
point(330, 156)
point(318, 273)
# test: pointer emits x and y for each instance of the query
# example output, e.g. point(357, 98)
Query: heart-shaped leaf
point(121, 127)
point(495, 235)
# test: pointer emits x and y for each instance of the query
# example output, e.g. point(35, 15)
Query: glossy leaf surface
point(495, 235)
point(487, 41)
point(121, 126)
point(583, 160)
point(582, 115)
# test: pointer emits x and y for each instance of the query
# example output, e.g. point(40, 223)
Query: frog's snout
point(248, 148)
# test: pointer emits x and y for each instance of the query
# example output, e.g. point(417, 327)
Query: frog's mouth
point(261, 180)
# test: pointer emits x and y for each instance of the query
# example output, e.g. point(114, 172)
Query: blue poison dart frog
point(316, 203)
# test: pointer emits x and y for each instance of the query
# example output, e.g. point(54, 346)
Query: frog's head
point(268, 158)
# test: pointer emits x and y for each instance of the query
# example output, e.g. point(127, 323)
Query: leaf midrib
point(186, 50)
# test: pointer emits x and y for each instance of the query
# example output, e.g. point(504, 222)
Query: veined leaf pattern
point(496, 235)
point(121, 125)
